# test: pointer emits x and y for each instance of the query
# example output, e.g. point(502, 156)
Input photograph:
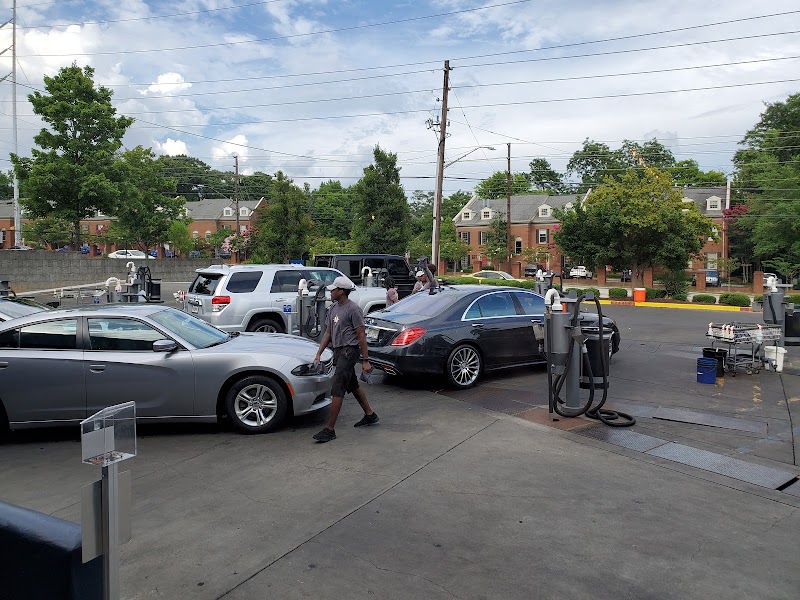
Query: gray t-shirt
point(341, 321)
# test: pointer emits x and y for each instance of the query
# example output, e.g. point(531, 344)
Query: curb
point(678, 306)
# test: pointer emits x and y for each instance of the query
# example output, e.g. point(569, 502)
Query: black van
point(353, 264)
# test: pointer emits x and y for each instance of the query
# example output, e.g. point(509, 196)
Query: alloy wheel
point(255, 405)
point(465, 366)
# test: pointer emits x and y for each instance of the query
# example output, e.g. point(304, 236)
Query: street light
point(437, 206)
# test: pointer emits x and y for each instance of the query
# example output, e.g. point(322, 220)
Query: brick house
point(533, 224)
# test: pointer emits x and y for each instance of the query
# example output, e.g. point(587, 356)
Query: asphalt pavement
point(474, 494)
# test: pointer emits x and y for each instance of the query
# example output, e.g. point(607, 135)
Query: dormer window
point(544, 211)
point(244, 212)
point(466, 215)
point(227, 211)
point(568, 206)
point(486, 213)
point(713, 203)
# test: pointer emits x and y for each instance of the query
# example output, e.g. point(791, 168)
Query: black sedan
point(461, 332)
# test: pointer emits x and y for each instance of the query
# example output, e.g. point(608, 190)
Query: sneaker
point(326, 435)
point(367, 420)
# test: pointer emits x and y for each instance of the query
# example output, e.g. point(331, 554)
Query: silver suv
point(254, 297)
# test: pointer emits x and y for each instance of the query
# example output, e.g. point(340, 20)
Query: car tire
point(264, 325)
point(463, 366)
point(256, 404)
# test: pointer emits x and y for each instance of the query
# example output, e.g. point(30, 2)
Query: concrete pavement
point(445, 498)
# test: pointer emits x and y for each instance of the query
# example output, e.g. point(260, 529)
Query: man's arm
point(362, 347)
point(326, 339)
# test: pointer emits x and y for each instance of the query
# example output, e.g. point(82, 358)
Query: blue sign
point(287, 308)
point(297, 261)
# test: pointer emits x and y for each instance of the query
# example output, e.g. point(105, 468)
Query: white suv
point(253, 297)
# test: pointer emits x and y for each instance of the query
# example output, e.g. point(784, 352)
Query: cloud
point(235, 146)
point(168, 83)
point(170, 147)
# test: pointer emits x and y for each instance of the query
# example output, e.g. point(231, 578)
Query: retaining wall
point(39, 270)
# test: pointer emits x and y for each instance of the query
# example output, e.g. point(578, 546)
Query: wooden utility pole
point(509, 252)
point(236, 192)
point(437, 202)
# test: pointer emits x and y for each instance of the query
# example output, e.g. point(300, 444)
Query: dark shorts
point(344, 379)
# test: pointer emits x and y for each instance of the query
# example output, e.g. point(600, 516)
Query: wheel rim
point(266, 329)
point(255, 405)
point(465, 366)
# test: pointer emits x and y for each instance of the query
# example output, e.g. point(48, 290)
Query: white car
point(129, 254)
point(580, 272)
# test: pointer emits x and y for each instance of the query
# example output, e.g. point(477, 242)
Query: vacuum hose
point(609, 417)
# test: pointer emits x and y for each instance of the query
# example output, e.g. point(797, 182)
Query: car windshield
point(712, 274)
point(198, 333)
point(423, 304)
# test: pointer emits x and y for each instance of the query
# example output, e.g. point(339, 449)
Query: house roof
point(211, 209)
point(524, 208)
point(700, 197)
point(6, 209)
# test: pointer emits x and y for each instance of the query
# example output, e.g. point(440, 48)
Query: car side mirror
point(165, 346)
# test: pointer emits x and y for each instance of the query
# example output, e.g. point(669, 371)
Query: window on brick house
point(542, 236)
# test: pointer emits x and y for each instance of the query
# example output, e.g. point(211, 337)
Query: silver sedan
point(12, 308)
point(58, 367)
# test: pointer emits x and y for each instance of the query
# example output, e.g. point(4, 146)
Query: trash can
point(640, 294)
point(706, 370)
point(599, 363)
point(775, 355)
point(720, 356)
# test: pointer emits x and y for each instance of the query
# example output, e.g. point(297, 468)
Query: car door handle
point(478, 325)
point(97, 368)
point(3, 365)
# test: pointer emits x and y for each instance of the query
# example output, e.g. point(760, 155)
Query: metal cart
point(745, 344)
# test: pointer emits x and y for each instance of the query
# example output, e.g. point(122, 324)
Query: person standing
point(391, 291)
point(344, 329)
point(418, 285)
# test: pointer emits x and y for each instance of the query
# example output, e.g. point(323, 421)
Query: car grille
point(327, 367)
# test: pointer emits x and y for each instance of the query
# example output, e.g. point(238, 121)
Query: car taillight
point(219, 302)
point(408, 336)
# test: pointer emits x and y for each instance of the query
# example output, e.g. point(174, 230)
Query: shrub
point(681, 296)
point(759, 297)
point(675, 283)
point(734, 299)
point(617, 293)
point(655, 294)
point(795, 298)
point(468, 269)
point(488, 268)
point(704, 299)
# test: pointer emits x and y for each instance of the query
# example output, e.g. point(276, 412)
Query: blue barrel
point(707, 370)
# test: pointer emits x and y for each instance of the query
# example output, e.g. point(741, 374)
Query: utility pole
point(236, 192)
point(509, 253)
point(437, 202)
point(17, 211)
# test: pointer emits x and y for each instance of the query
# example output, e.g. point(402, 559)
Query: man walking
point(344, 328)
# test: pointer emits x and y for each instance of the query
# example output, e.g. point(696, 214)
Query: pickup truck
point(580, 273)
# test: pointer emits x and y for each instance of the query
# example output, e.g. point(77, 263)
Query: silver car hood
point(289, 346)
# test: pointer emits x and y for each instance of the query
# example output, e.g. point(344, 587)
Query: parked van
point(352, 265)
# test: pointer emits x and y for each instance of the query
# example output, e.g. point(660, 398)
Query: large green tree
point(767, 180)
point(194, 179)
point(148, 204)
point(332, 210)
point(281, 232)
point(596, 162)
point(496, 246)
point(496, 186)
point(639, 221)
point(6, 186)
point(382, 221)
point(70, 175)
point(544, 177)
point(687, 173)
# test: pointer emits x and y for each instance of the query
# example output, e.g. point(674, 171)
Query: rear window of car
point(712, 274)
point(205, 283)
point(423, 304)
point(243, 282)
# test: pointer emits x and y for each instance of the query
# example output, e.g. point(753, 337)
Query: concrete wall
point(38, 270)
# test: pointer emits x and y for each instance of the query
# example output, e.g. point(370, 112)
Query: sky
point(310, 87)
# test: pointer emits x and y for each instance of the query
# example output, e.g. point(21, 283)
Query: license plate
point(194, 309)
point(372, 334)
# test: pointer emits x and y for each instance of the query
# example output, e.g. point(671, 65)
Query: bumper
point(310, 393)
point(403, 364)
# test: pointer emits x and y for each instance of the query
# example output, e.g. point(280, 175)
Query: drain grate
point(623, 437)
point(723, 465)
point(687, 416)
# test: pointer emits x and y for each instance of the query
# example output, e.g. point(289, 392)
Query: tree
point(70, 176)
point(6, 185)
point(767, 180)
point(147, 207)
point(48, 231)
point(281, 232)
point(496, 245)
point(332, 210)
point(178, 235)
point(543, 177)
point(687, 173)
point(255, 186)
point(496, 186)
point(195, 180)
point(382, 221)
point(640, 221)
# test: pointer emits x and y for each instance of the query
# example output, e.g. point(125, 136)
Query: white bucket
point(775, 354)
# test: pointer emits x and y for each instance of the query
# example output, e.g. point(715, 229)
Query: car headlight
point(309, 369)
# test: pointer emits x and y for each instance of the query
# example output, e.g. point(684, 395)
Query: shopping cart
point(745, 344)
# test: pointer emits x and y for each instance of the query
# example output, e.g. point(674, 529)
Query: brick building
point(533, 224)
